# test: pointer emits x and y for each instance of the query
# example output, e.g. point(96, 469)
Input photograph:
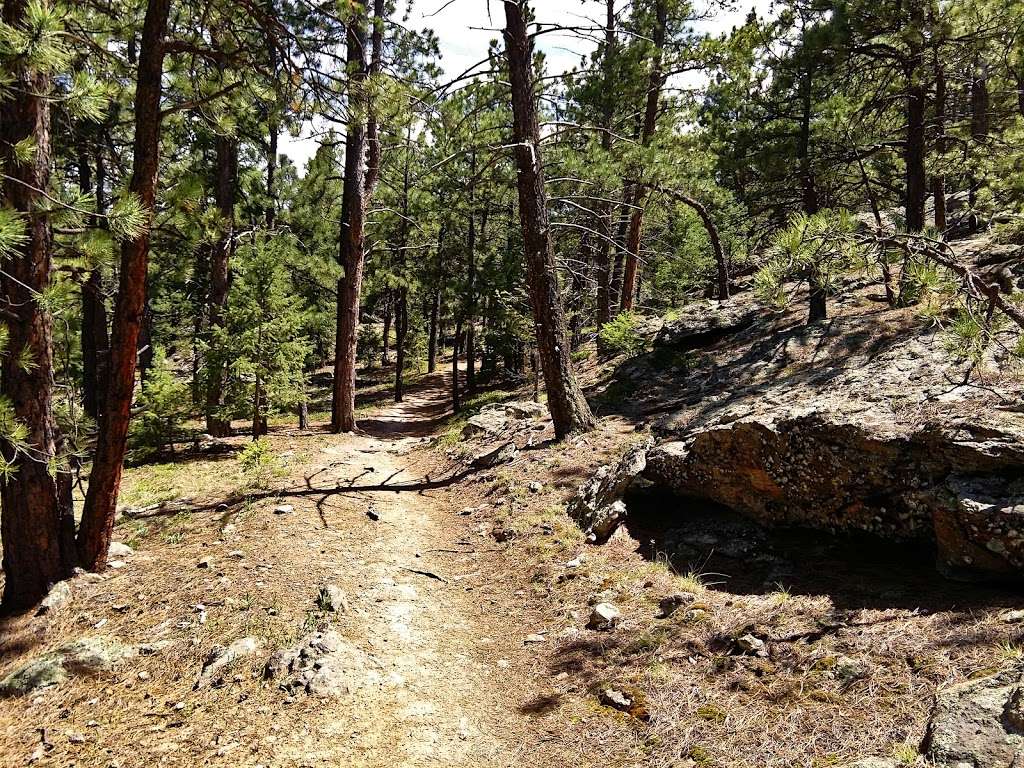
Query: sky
point(465, 29)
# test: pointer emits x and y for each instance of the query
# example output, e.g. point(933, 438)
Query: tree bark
point(37, 521)
point(353, 215)
point(220, 280)
point(628, 297)
point(604, 209)
point(939, 179)
point(105, 481)
point(435, 305)
point(389, 309)
point(358, 186)
point(569, 410)
point(914, 146)
point(94, 309)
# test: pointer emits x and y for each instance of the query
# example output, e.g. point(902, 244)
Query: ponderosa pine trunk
point(353, 213)
point(37, 520)
point(569, 409)
point(385, 344)
point(433, 321)
point(402, 294)
point(914, 144)
point(220, 279)
point(93, 339)
point(604, 209)
point(939, 179)
point(656, 80)
point(105, 481)
point(360, 180)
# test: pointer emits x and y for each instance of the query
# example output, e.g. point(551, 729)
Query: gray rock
point(221, 657)
point(58, 596)
point(33, 676)
point(616, 699)
point(809, 466)
point(503, 454)
point(323, 665)
point(119, 550)
point(332, 598)
point(206, 562)
point(672, 603)
point(977, 723)
point(704, 322)
point(603, 617)
point(597, 506)
point(526, 409)
point(283, 509)
point(87, 656)
point(750, 644)
point(535, 486)
point(492, 422)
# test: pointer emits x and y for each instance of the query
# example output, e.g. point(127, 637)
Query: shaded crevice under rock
point(957, 485)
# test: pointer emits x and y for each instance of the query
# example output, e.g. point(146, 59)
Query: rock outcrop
point(88, 656)
point(979, 723)
point(956, 483)
point(597, 506)
point(704, 322)
point(323, 665)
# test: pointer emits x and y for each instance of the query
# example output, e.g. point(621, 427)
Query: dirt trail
point(437, 625)
point(437, 703)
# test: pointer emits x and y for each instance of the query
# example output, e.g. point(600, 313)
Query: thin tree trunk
point(220, 271)
point(471, 287)
point(809, 191)
point(435, 304)
point(914, 149)
point(389, 308)
point(105, 480)
point(939, 179)
point(94, 310)
point(401, 335)
point(569, 410)
point(37, 520)
point(456, 399)
point(604, 209)
point(627, 298)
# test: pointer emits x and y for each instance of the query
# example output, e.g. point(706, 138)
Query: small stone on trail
point(372, 513)
point(531, 639)
point(220, 658)
point(58, 596)
point(750, 644)
point(332, 598)
point(236, 553)
point(535, 486)
point(615, 699)
point(116, 564)
point(604, 617)
point(1013, 617)
point(205, 562)
point(119, 550)
point(672, 603)
point(284, 509)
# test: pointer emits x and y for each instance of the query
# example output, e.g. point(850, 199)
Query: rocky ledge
point(864, 423)
point(956, 483)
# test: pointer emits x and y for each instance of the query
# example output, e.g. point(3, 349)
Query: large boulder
point(953, 482)
point(597, 506)
point(979, 724)
point(705, 322)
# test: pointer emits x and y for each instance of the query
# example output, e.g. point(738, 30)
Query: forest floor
point(440, 665)
point(465, 639)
